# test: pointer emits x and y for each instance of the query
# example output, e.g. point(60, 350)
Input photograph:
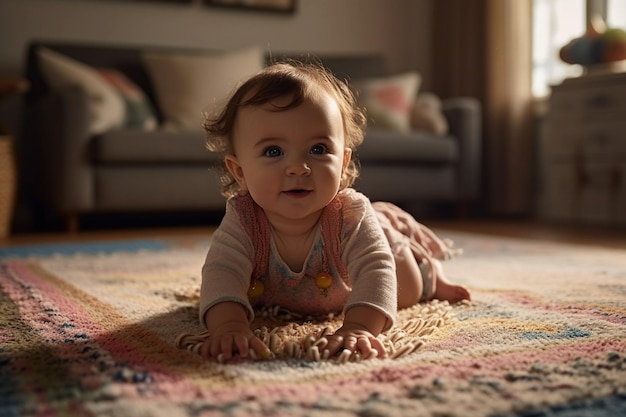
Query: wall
point(398, 28)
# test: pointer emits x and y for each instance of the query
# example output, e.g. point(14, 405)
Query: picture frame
point(272, 6)
point(183, 2)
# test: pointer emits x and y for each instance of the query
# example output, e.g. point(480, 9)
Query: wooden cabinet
point(582, 152)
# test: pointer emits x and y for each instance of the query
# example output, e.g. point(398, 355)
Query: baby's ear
point(347, 154)
point(234, 167)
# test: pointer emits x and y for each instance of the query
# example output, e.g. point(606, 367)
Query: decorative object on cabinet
point(599, 45)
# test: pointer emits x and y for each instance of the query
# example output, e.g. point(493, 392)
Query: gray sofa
point(68, 172)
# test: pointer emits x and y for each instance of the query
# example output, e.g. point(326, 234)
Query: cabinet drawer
point(604, 103)
point(605, 142)
point(559, 192)
point(600, 188)
point(592, 103)
point(590, 141)
point(559, 141)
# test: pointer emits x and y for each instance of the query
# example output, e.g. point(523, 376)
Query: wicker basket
point(8, 182)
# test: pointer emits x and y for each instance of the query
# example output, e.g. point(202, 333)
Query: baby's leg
point(411, 282)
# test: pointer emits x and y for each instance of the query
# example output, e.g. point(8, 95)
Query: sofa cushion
point(139, 113)
point(383, 146)
point(188, 84)
point(157, 187)
point(388, 100)
point(159, 146)
point(427, 115)
point(106, 106)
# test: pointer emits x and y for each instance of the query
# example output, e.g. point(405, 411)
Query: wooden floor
point(603, 236)
point(585, 234)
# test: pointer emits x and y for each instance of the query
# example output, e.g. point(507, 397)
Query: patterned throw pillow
point(113, 100)
point(105, 105)
point(389, 101)
point(139, 112)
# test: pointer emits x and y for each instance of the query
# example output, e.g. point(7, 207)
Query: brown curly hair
point(299, 80)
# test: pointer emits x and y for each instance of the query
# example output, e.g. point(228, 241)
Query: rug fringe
point(292, 336)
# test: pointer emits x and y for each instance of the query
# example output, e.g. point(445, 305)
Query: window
point(555, 23)
point(616, 13)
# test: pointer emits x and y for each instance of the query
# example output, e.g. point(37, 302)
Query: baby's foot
point(451, 292)
point(447, 291)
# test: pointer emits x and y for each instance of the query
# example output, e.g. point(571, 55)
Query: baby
point(294, 233)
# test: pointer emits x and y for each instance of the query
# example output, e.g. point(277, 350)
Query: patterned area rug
point(91, 329)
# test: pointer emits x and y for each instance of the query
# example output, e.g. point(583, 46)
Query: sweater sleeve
point(228, 266)
point(369, 260)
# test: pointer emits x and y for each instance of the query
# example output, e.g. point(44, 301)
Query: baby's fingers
point(379, 347)
point(205, 350)
point(241, 342)
point(364, 346)
point(335, 343)
point(370, 348)
point(212, 349)
point(225, 347)
point(260, 349)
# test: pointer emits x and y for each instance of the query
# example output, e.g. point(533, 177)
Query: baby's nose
point(298, 167)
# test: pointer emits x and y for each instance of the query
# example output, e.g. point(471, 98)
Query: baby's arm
point(224, 307)
point(373, 302)
point(358, 333)
point(230, 333)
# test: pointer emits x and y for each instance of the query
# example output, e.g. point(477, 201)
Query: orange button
point(256, 289)
point(324, 280)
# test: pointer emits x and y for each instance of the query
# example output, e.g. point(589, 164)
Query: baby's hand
point(353, 341)
point(230, 334)
point(357, 335)
point(231, 338)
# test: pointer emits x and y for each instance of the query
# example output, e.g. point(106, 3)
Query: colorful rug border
point(87, 248)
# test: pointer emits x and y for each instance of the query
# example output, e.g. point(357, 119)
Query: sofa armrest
point(62, 138)
point(464, 116)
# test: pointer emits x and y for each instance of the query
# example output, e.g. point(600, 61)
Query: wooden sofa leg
point(72, 223)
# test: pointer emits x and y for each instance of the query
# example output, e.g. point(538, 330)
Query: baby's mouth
point(298, 192)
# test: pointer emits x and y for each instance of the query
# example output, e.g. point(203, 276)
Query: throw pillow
point(427, 115)
point(187, 85)
point(139, 112)
point(106, 106)
point(388, 101)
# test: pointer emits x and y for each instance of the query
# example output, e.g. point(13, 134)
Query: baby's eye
point(319, 149)
point(272, 151)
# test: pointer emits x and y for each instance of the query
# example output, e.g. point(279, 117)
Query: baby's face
point(291, 162)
